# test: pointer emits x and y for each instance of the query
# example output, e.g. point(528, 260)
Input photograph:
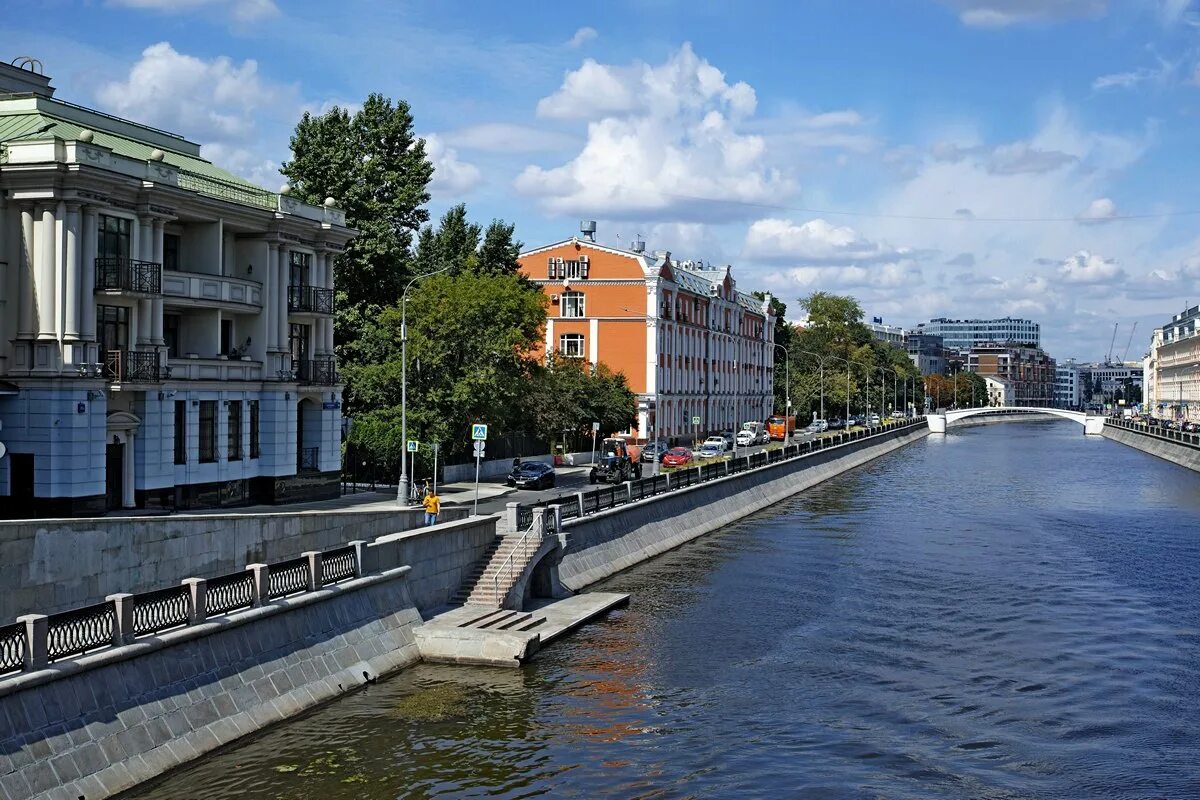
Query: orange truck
point(781, 428)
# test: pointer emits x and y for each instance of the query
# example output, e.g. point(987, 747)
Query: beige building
point(1172, 373)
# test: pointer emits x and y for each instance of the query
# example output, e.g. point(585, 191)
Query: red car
point(677, 457)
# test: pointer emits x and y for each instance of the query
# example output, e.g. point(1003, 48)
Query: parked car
point(532, 475)
point(835, 424)
point(817, 426)
point(730, 439)
point(654, 451)
point(677, 457)
point(745, 438)
point(873, 419)
point(718, 440)
point(711, 449)
point(898, 414)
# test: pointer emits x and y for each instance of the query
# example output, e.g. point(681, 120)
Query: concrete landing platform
point(500, 637)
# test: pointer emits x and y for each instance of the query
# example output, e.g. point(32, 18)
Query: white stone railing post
point(556, 510)
point(360, 557)
point(579, 500)
point(511, 511)
point(198, 591)
point(123, 618)
point(37, 629)
point(315, 578)
point(262, 584)
point(628, 491)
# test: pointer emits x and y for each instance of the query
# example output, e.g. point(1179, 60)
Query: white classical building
point(1000, 392)
point(1171, 372)
point(166, 331)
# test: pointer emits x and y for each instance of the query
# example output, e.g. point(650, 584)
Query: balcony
point(131, 366)
point(315, 371)
point(209, 291)
point(214, 369)
point(116, 274)
point(310, 300)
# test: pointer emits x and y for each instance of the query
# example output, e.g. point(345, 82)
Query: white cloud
point(1088, 268)
point(241, 11)
point(504, 137)
point(664, 142)
point(883, 277)
point(1102, 209)
point(834, 119)
point(816, 242)
point(450, 175)
point(1160, 75)
point(1019, 157)
point(582, 36)
point(1002, 13)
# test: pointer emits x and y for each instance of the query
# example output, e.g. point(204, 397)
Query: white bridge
point(1092, 425)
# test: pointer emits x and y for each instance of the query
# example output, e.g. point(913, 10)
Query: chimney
point(588, 228)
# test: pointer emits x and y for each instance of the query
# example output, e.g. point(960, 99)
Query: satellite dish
point(2, 450)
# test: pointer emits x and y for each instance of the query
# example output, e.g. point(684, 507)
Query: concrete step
point(499, 619)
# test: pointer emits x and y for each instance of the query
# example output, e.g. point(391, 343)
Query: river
point(1006, 611)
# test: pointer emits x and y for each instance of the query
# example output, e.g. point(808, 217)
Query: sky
point(957, 158)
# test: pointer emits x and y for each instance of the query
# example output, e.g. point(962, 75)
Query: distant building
point(927, 353)
point(1000, 393)
point(892, 334)
point(963, 334)
point(1172, 369)
point(1030, 371)
point(1066, 384)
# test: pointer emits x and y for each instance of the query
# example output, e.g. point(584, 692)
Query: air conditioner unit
point(554, 299)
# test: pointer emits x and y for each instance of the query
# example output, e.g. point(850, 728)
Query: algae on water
point(433, 704)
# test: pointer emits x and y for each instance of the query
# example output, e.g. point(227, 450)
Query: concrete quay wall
point(100, 724)
point(442, 556)
point(1176, 452)
point(51, 565)
point(603, 544)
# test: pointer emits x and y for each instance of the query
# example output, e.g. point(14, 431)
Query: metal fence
point(162, 610)
point(80, 630)
point(337, 565)
point(289, 577)
point(230, 593)
point(1156, 431)
point(12, 648)
point(591, 502)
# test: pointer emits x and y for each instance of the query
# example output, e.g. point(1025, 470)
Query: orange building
point(689, 343)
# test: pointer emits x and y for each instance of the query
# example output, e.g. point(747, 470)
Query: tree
point(376, 170)
point(500, 249)
point(831, 311)
point(569, 394)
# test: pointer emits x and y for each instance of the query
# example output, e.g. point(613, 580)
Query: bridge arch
point(1092, 425)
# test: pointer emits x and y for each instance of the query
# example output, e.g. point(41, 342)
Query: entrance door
point(114, 471)
point(20, 470)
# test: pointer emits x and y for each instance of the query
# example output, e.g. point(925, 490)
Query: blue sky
point(1026, 157)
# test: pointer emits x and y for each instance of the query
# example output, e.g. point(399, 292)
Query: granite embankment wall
point(100, 723)
point(51, 565)
point(602, 544)
point(1177, 451)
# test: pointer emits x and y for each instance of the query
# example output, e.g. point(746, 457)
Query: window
point(113, 239)
point(558, 268)
point(300, 264)
point(170, 251)
point(298, 336)
point(571, 345)
point(254, 451)
point(180, 431)
point(208, 431)
point(171, 324)
point(572, 305)
point(235, 430)
point(112, 328)
point(226, 336)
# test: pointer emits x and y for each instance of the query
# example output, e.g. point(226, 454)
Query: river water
point(1007, 611)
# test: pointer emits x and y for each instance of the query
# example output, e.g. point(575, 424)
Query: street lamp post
point(403, 483)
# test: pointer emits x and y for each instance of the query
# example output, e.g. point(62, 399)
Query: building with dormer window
point(690, 343)
point(166, 329)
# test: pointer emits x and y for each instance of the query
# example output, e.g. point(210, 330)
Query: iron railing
point(230, 593)
point(12, 648)
point(310, 299)
point(288, 577)
point(79, 630)
point(337, 565)
point(526, 546)
point(161, 610)
point(227, 190)
point(308, 459)
point(131, 366)
point(119, 274)
point(315, 371)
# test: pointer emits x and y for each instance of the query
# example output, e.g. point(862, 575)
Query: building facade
point(1066, 385)
point(166, 331)
point(1029, 371)
point(892, 334)
point(1000, 392)
point(927, 353)
point(963, 334)
point(698, 352)
point(1172, 388)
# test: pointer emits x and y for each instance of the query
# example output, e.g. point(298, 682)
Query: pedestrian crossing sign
point(695, 420)
point(479, 432)
point(412, 445)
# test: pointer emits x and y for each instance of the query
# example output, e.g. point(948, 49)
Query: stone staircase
point(494, 575)
point(504, 620)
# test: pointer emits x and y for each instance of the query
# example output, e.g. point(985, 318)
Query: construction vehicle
point(618, 462)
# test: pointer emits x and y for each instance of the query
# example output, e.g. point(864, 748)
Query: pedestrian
point(433, 506)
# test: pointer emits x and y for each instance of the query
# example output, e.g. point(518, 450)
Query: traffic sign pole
point(479, 435)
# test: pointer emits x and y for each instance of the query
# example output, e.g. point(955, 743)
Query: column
point(145, 252)
point(127, 500)
point(156, 305)
point(88, 299)
point(71, 274)
point(267, 276)
point(26, 325)
point(327, 275)
point(318, 281)
point(281, 298)
point(44, 274)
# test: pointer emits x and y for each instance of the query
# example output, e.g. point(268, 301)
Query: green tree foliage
point(458, 244)
point(570, 394)
point(962, 390)
point(375, 169)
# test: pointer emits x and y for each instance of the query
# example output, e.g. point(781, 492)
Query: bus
point(781, 428)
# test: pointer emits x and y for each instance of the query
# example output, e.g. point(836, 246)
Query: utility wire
point(930, 218)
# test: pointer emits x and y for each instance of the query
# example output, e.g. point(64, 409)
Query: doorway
point(114, 471)
point(20, 470)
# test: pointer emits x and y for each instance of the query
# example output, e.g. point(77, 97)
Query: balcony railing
point(308, 459)
point(128, 275)
point(317, 371)
point(131, 366)
point(311, 299)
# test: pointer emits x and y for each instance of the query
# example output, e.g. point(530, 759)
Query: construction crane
point(1127, 344)
point(1108, 355)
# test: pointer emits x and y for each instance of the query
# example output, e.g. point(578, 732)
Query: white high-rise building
point(166, 330)
point(963, 334)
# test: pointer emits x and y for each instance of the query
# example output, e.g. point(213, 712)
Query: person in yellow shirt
point(433, 506)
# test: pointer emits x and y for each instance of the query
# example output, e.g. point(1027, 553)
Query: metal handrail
point(508, 561)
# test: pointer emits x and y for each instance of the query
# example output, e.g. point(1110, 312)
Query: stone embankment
point(1174, 446)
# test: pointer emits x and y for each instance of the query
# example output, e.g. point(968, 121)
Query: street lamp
point(402, 484)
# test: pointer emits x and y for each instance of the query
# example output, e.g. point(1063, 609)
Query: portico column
point(88, 298)
point(156, 305)
point(45, 275)
point(318, 281)
point(145, 253)
point(25, 277)
point(71, 274)
point(281, 298)
point(327, 275)
point(269, 330)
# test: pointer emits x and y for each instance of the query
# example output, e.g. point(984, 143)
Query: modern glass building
point(963, 334)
